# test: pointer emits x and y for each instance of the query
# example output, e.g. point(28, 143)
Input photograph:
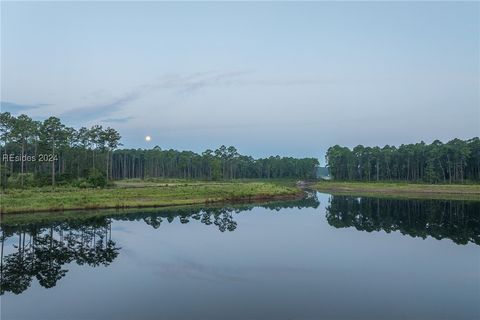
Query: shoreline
point(41, 217)
point(240, 200)
point(159, 194)
point(153, 196)
point(401, 190)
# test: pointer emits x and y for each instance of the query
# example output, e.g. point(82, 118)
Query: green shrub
point(43, 179)
point(15, 181)
point(64, 179)
point(96, 178)
point(84, 184)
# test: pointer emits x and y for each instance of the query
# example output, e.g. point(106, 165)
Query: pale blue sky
point(269, 78)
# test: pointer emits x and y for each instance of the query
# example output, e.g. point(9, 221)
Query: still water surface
point(325, 257)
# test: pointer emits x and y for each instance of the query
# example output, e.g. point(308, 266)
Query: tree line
point(49, 152)
point(222, 163)
point(37, 153)
point(456, 161)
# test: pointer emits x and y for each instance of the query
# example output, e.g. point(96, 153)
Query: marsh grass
point(402, 190)
point(140, 193)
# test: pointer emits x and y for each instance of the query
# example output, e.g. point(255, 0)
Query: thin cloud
point(199, 81)
point(183, 84)
point(190, 83)
point(15, 108)
point(118, 120)
point(180, 84)
point(101, 110)
point(195, 81)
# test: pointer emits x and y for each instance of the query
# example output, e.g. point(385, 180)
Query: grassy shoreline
point(401, 190)
point(83, 214)
point(175, 192)
point(144, 194)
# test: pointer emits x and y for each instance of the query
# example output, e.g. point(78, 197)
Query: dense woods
point(38, 153)
point(457, 161)
point(222, 163)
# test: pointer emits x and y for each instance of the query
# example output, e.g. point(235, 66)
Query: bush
point(84, 184)
point(96, 178)
point(15, 181)
point(43, 179)
point(64, 179)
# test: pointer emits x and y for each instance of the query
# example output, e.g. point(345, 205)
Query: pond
point(323, 257)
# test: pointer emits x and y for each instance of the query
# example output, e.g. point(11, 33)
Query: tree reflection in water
point(440, 219)
point(41, 250)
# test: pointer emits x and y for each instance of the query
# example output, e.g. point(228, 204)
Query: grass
point(79, 215)
point(401, 190)
point(139, 193)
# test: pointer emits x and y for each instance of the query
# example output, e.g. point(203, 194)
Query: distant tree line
point(49, 152)
point(457, 161)
point(222, 163)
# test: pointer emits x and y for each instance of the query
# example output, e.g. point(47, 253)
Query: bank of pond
point(141, 194)
point(401, 190)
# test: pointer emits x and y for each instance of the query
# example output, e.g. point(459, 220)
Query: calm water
point(321, 258)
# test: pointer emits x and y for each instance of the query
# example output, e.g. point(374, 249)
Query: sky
point(269, 78)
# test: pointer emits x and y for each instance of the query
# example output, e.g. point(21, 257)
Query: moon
point(148, 138)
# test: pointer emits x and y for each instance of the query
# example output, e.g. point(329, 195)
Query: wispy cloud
point(118, 120)
point(196, 81)
point(15, 108)
point(101, 110)
point(185, 84)
point(182, 84)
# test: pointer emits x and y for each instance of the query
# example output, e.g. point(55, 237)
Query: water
point(320, 258)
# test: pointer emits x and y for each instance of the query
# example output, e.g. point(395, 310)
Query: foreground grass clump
point(141, 194)
point(401, 190)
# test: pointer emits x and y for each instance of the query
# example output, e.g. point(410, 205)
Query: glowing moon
point(148, 138)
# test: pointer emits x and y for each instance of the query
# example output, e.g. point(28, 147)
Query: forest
point(457, 161)
point(38, 153)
